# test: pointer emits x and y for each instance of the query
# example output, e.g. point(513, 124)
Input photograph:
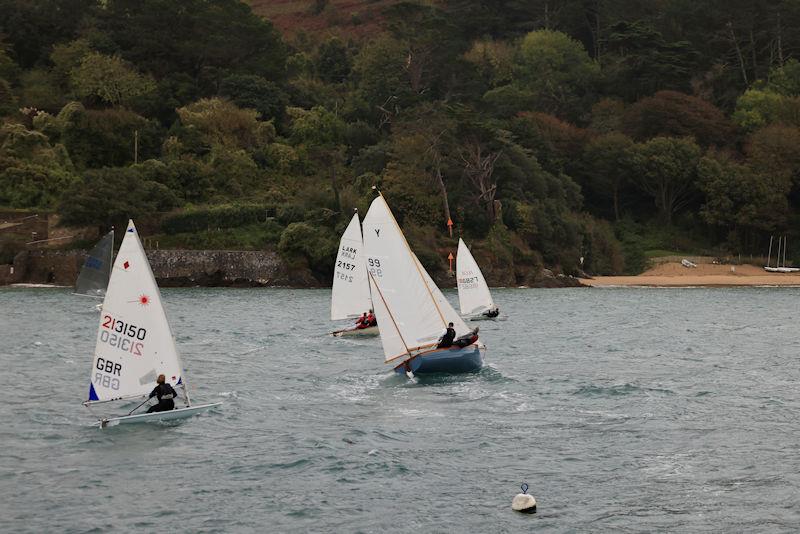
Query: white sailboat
point(412, 312)
point(779, 268)
point(93, 279)
point(134, 341)
point(474, 297)
point(350, 296)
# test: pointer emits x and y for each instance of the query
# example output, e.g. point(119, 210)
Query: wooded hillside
point(547, 131)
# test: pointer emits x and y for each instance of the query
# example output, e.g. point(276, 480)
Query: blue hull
point(451, 360)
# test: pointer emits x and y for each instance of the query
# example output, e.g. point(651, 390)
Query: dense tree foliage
point(546, 131)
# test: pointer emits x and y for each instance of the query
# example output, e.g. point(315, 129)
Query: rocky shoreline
point(227, 268)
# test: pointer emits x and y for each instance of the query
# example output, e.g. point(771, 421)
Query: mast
point(769, 254)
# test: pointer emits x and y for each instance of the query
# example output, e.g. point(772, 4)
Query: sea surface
point(625, 410)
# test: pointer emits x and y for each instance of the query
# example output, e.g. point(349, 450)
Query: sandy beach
point(676, 275)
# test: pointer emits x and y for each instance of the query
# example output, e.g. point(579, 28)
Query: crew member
point(362, 321)
point(371, 319)
point(447, 337)
point(165, 395)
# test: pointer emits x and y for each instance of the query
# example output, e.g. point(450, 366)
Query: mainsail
point(93, 278)
point(134, 340)
point(411, 310)
point(350, 294)
point(473, 292)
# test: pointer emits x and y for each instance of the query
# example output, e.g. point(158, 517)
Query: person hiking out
point(447, 337)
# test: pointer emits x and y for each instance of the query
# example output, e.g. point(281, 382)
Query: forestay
point(93, 278)
point(473, 292)
point(134, 340)
point(350, 295)
point(411, 311)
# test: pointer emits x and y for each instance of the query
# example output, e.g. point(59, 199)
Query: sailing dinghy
point(412, 312)
point(93, 279)
point(474, 297)
point(134, 341)
point(350, 293)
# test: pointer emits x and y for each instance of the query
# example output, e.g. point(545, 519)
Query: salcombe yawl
point(412, 312)
point(93, 279)
point(350, 296)
point(134, 340)
point(474, 298)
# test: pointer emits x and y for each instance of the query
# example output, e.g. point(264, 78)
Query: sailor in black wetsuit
point(447, 338)
point(165, 395)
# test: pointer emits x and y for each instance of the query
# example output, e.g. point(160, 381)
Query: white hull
point(357, 332)
point(179, 413)
point(782, 269)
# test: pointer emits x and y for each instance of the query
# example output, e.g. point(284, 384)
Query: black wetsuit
point(166, 396)
point(447, 338)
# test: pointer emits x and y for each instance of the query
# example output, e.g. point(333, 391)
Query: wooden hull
point(179, 413)
point(357, 332)
point(451, 360)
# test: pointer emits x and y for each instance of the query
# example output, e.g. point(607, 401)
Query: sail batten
point(93, 279)
point(411, 311)
point(473, 292)
point(350, 294)
point(134, 340)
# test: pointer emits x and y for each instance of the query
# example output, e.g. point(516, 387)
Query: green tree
point(333, 62)
point(557, 69)
point(111, 195)
point(608, 163)
point(255, 92)
point(218, 122)
point(666, 170)
point(742, 201)
point(109, 80)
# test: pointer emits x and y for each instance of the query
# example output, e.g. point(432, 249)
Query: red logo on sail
point(144, 300)
point(126, 264)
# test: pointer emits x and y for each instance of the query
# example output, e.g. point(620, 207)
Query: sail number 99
point(374, 267)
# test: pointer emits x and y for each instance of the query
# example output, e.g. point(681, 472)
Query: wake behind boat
point(474, 297)
point(135, 343)
point(413, 313)
point(350, 294)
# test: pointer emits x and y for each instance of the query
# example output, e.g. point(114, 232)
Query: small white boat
point(412, 312)
point(350, 294)
point(474, 298)
point(134, 341)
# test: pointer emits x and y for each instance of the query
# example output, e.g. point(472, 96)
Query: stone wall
point(226, 268)
point(59, 267)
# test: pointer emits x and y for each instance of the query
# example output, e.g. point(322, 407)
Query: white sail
point(134, 340)
point(450, 314)
point(473, 292)
point(411, 311)
point(350, 295)
point(93, 278)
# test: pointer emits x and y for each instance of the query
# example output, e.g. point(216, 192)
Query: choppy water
point(625, 410)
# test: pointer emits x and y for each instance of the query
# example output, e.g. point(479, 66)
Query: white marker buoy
point(523, 502)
